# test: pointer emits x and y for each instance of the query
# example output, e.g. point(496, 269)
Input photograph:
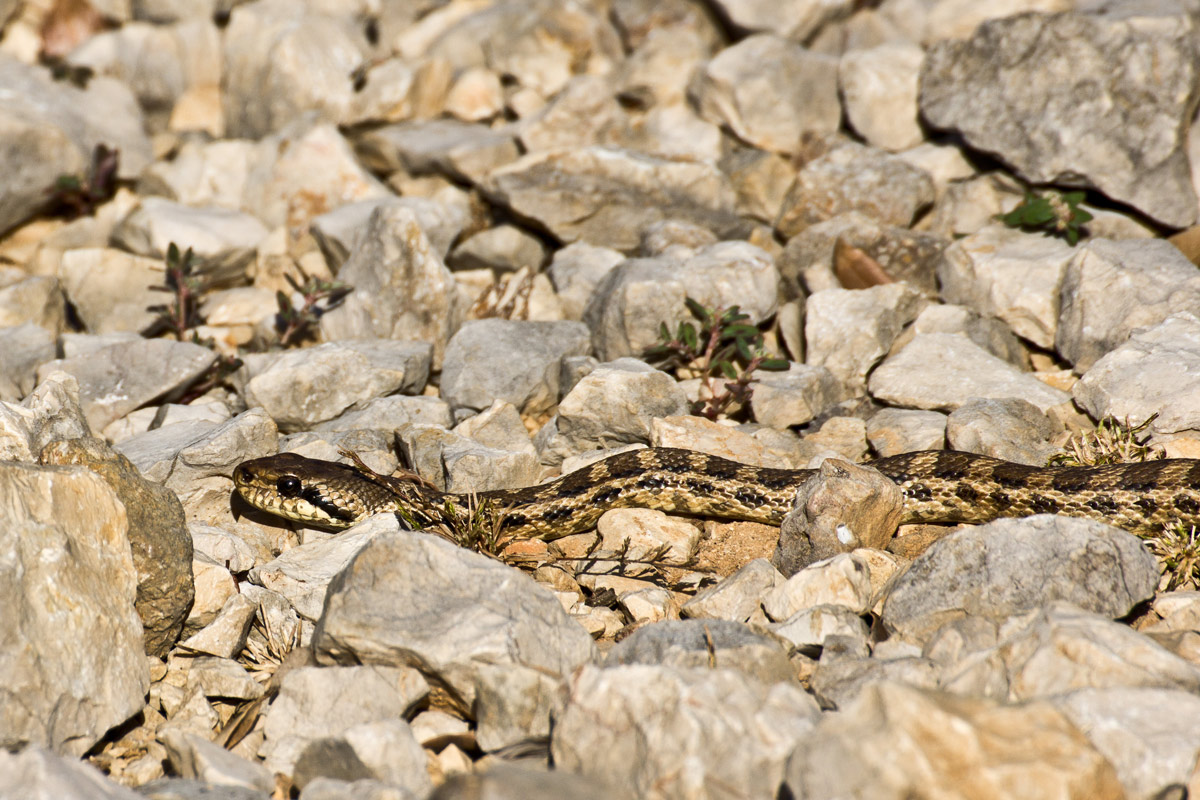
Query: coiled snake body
point(938, 486)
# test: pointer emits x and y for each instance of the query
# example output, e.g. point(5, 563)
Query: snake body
point(938, 486)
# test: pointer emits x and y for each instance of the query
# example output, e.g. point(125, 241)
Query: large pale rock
point(941, 371)
point(1039, 92)
point(221, 234)
point(51, 128)
point(848, 331)
point(510, 360)
point(417, 600)
point(116, 379)
point(38, 774)
point(459, 150)
point(794, 397)
point(161, 546)
point(301, 388)
point(1010, 566)
point(110, 289)
point(795, 19)
point(712, 728)
point(31, 298)
point(282, 61)
point(855, 177)
point(770, 92)
point(896, 742)
point(1150, 736)
point(611, 197)
point(635, 298)
point(402, 290)
point(1156, 372)
point(73, 663)
point(50, 413)
point(23, 348)
point(1112, 288)
point(314, 703)
point(1058, 649)
point(879, 88)
point(1011, 275)
point(708, 643)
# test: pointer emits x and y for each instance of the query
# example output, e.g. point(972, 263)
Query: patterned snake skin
point(938, 486)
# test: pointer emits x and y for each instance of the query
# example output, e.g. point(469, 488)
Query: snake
point(938, 486)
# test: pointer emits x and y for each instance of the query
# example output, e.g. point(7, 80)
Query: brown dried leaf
point(855, 269)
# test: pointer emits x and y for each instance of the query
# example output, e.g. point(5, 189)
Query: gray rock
point(879, 89)
point(1113, 288)
point(499, 426)
point(1154, 372)
point(848, 331)
point(303, 574)
point(770, 92)
point(710, 643)
point(121, 377)
point(362, 789)
point(609, 197)
point(1011, 275)
point(855, 177)
point(807, 262)
point(636, 297)
point(23, 348)
point(339, 231)
point(750, 728)
point(472, 467)
point(51, 128)
point(941, 370)
point(402, 290)
point(838, 681)
point(514, 704)
point(1013, 90)
point(612, 405)
point(796, 19)
point(1008, 428)
point(504, 247)
point(803, 392)
point(508, 781)
point(737, 597)
point(221, 234)
point(388, 413)
point(463, 151)
point(844, 580)
point(892, 431)
point(75, 664)
point(220, 677)
point(38, 774)
point(510, 360)
point(576, 270)
point(202, 174)
point(1010, 566)
point(896, 741)
point(301, 388)
point(302, 172)
point(1061, 648)
point(988, 332)
point(158, 537)
point(384, 750)
point(761, 181)
point(110, 289)
point(809, 627)
point(1148, 735)
point(225, 636)
point(192, 756)
point(49, 414)
point(453, 611)
point(307, 59)
point(36, 298)
point(315, 703)
point(840, 508)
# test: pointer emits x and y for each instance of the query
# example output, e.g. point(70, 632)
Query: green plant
point(1056, 213)
point(184, 284)
point(724, 353)
point(73, 196)
point(317, 296)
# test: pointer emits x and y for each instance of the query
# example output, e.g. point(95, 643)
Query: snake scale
point(938, 486)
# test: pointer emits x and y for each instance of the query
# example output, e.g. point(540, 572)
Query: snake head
point(320, 493)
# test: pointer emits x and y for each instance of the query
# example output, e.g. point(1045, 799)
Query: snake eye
point(288, 486)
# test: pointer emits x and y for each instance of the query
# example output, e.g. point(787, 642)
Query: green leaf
point(743, 349)
point(285, 305)
point(727, 370)
point(700, 312)
point(773, 364)
point(1072, 235)
point(1080, 216)
point(688, 335)
point(172, 255)
point(1073, 198)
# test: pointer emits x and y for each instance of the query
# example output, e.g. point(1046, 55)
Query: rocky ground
point(444, 235)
